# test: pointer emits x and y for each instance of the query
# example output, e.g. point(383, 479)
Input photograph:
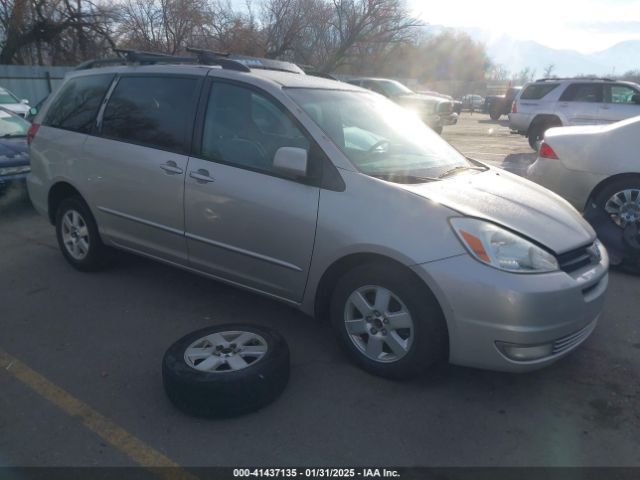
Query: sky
point(587, 26)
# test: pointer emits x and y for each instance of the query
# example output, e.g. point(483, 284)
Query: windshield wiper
point(13, 135)
point(410, 178)
point(453, 170)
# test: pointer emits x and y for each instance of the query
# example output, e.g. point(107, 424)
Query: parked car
point(596, 168)
point(435, 111)
point(472, 102)
point(457, 104)
point(499, 105)
point(9, 101)
point(550, 103)
point(322, 195)
point(14, 158)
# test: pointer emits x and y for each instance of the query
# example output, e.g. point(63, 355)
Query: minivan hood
point(513, 202)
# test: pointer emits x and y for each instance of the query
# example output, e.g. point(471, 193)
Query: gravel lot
point(101, 337)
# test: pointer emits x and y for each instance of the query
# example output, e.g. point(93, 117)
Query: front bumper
point(450, 119)
point(485, 307)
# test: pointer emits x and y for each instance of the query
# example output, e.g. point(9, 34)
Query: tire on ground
point(226, 393)
point(430, 343)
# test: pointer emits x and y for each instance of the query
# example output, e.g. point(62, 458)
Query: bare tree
point(548, 70)
point(53, 31)
point(161, 25)
point(360, 25)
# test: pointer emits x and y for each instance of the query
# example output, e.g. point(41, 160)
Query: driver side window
point(245, 129)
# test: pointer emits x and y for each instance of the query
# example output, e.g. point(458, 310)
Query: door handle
point(202, 176)
point(171, 168)
point(605, 107)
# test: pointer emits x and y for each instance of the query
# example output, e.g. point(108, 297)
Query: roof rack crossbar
point(210, 57)
point(604, 79)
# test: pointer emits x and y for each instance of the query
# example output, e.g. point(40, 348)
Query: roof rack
point(246, 60)
point(150, 58)
point(604, 79)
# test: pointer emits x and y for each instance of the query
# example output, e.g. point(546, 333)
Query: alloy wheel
point(225, 351)
point(624, 207)
point(379, 324)
point(75, 235)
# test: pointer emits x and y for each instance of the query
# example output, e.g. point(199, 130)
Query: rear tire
point(384, 341)
point(616, 220)
point(495, 115)
point(537, 131)
point(78, 236)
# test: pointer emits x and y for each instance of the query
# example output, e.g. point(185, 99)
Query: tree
point(53, 31)
point(525, 75)
point(161, 25)
point(548, 70)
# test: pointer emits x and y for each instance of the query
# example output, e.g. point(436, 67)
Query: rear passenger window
point(245, 128)
point(152, 111)
point(583, 92)
point(76, 106)
point(537, 91)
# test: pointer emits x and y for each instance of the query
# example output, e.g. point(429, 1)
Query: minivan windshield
point(380, 138)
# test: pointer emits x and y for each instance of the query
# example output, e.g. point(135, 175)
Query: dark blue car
point(14, 158)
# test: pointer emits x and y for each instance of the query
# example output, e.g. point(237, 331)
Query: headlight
point(501, 248)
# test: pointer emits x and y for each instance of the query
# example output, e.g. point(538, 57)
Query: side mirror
point(33, 111)
point(291, 161)
point(636, 99)
point(24, 101)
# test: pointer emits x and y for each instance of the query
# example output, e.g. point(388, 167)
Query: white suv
point(550, 103)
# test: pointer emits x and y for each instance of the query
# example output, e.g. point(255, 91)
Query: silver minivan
point(325, 196)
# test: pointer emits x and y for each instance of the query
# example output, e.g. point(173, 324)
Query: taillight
point(31, 133)
point(547, 152)
point(514, 107)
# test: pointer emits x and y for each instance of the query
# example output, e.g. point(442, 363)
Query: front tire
point(78, 236)
point(388, 322)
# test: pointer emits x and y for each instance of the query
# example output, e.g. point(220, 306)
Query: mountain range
point(515, 55)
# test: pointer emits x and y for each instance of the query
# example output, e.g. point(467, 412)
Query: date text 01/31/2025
point(315, 473)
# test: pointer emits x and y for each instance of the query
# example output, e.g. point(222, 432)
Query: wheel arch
point(342, 265)
point(57, 193)
point(604, 183)
point(543, 118)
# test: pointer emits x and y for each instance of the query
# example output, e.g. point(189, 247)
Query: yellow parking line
point(132, 447)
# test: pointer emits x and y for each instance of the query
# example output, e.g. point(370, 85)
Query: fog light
point(524, 353)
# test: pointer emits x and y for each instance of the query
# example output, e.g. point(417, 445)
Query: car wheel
point(495, 115)
point(616, 219)
point(537, 131)
point(226, 370)
point(386, 321)
point(78, 236)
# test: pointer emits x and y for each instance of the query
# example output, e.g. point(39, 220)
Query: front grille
point(445, 107)
point(567, 343)
point(578, 258)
